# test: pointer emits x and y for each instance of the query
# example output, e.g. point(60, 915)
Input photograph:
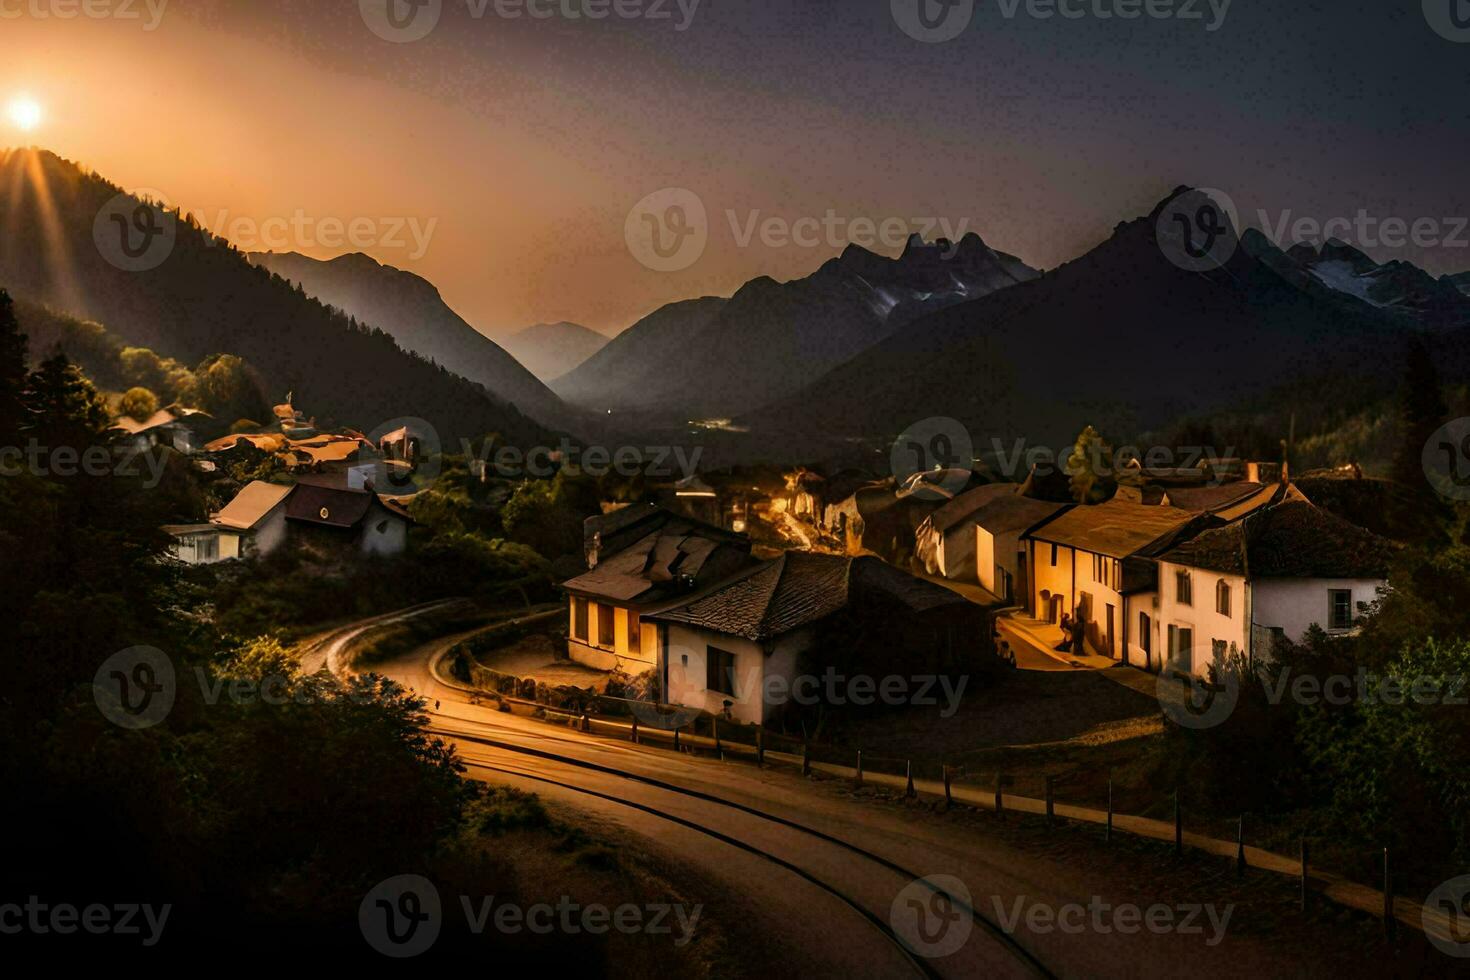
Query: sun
point(24, 113)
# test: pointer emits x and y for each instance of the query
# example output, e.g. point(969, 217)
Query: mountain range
point(1124, 339)
point(550, 350)
point(411, 309)
point(188, 294)
point(715, 357)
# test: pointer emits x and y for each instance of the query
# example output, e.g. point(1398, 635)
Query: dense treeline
point(205, 297)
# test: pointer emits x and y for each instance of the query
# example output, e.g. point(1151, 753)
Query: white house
point(1001, 553)
point(945, 541)
point(1269, 577)
point(740, 649)
point(641, 559)
point(1087, 560)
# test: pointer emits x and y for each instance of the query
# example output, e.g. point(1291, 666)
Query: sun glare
point(24, 113)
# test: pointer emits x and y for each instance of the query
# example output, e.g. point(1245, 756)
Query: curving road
point(833, 880)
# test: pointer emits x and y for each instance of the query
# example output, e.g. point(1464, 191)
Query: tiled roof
point(799, 589)
point(670, 551)
point(1294, 539)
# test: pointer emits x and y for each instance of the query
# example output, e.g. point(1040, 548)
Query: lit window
point(1340, 615)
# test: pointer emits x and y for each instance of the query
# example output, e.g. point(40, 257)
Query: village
point(714, 590)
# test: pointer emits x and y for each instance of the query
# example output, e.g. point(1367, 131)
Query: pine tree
point(1421, 411)
point(12, 371)
point(1090, 468)
point(62, 408)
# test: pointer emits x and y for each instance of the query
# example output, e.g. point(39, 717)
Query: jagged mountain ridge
point(717, 357)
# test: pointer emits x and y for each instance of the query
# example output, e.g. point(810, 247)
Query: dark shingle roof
point(1294, 539)
point(799, 589)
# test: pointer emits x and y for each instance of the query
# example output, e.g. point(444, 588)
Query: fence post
point(948, 795)
point(1050, 803)
point(858, 779)
point(999, 798)
point(1304, 873)
point(1178, 827)
point(1240, 846)
point(806, 757)
point(909, 791)
point(1390, 925)
point(1108, 833)
point(586, 722)
point(714, 728)
point(760, 746)
point(676, 738)
point(635, 729)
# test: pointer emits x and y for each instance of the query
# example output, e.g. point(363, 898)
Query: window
point(1053, 556)
point(1340, 613)
point(721, 666)
point(635, 632)
point(1222, 598)
point(1145, 633)
point(605, 626)
point(1183, 589)
point(579, 619)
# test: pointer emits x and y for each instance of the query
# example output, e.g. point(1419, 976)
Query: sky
point(522, 163)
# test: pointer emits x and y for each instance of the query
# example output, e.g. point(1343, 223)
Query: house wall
point(1049, 580)
point(957, 552)
point(1200, 616)
point(1294, 605)
point(269, 532)
point(985, 560)
point(620, 655)
point(756, 671)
